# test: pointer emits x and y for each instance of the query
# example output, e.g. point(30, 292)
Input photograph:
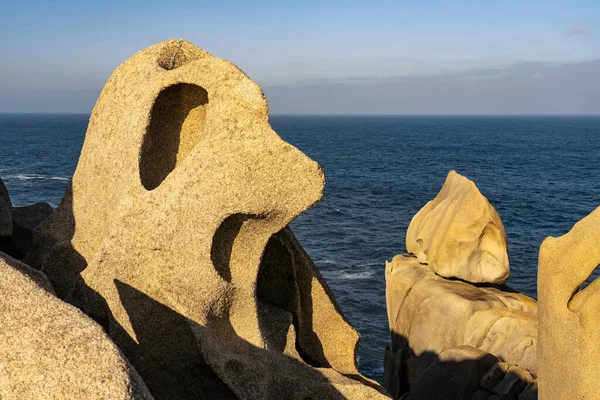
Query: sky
point(320, 57)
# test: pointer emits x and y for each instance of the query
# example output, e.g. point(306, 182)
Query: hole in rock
point(276, 282)
point(176, 53)
point(176, 124)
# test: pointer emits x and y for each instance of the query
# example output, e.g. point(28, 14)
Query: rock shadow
point(165, 350)
point(408, 376)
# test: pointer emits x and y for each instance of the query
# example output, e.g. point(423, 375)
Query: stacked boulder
point(449, 293)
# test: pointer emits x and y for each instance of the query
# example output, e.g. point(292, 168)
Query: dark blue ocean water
point(541, 173)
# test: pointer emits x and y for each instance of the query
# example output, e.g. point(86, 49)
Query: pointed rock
point(459, 234)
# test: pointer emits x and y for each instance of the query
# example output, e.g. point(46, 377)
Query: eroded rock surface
point(51, 350)
point(459, 234)
point(569, 321)
point(166, 238)
point(429, 314)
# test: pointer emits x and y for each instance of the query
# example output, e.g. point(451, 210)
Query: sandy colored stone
point(429, 314)
point(169, 223)
point(459, 234)
point(507, 333)
point(569, 321)
point(51, 350)
point(5, 216)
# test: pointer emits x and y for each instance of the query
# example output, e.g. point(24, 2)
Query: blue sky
point(56, 56)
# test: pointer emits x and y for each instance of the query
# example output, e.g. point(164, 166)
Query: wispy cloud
point(579, 31)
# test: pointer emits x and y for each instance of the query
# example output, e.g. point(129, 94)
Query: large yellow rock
point(180, 187)
point(459, 234)
point(51, 350)
point(569, 318)
point(429, 314)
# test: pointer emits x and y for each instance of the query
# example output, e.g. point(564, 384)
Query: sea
point(542, 174)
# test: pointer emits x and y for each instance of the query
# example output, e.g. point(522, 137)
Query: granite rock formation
point(459, 234)
point(172, 236)
point(429, 314)
point(569, 321)
point(466, 373)
point(18, 223)
point(51, 350)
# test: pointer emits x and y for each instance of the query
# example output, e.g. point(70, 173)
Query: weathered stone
point(177, 242)
point(530, 392)
point(429, 315)
point(29, 217)
point(569, 344)
point(49, 349)
point(5, 216)
point(459, 234)
point(514, 382)
point(455, 375)
point(25, 219)
point(507, 333)
point(494, 376)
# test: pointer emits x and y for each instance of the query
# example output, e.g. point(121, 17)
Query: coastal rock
point(24, 220)
point(5, 216)
point(466, 373)
point(459, 234)
point(49, 349)
point(455, 375)
point(508, 333)
point(569, 344)
point(181, 252)
point(429, 314)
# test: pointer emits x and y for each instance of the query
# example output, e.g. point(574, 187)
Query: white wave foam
point(357, 275)
point(26, 177)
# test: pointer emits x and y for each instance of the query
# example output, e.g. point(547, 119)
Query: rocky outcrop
point(459, 234)
point(430, 312)
point(18, 223)
point(181, 252)
point(429, 315)
point(49, 349)
point(466, 373)
point(569, 345)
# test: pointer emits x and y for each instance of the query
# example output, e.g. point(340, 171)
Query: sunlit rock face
point(51, 350)
point(569, 318)
point(459, 234)
point(172, 237)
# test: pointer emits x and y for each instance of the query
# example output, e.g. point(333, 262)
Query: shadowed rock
point(459, 234)
point(49, 349)
point(194, 184)
point(18, 223)
point(5, 206)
